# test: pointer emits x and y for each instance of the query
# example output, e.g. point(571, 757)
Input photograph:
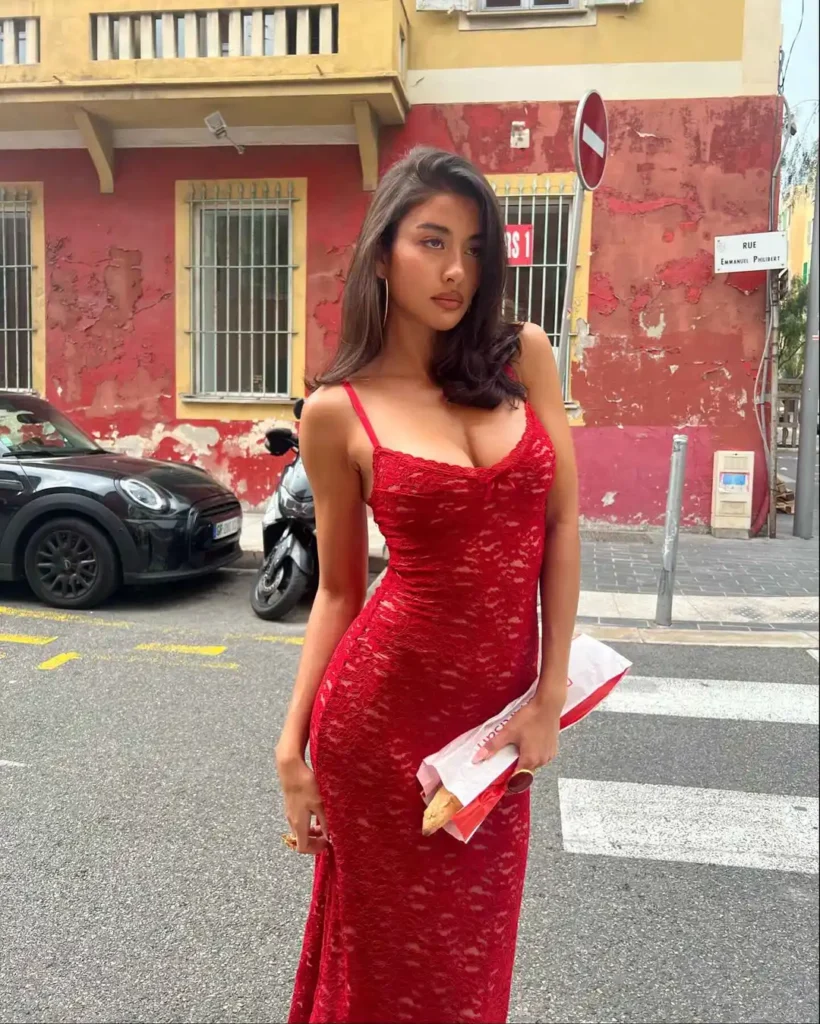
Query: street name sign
point(766, 250)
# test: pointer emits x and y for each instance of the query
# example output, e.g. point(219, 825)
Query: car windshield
point(37, 429)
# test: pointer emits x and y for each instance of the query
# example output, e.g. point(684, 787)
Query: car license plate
point(227, 528)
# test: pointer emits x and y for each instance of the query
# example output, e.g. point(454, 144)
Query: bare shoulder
point(537, 360)
point(327, 412)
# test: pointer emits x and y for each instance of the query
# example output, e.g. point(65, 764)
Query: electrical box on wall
point(732, 482)
point(519, 135)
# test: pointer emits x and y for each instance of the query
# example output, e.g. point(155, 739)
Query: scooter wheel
point(273, 599)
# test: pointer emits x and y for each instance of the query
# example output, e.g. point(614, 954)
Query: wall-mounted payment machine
point(732, 482)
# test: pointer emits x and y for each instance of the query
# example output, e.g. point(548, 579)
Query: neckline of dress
point(379, 449)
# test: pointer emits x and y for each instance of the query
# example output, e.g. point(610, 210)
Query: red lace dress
point(403, 928)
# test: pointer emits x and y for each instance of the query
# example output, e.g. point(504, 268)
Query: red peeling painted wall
point(670, 347)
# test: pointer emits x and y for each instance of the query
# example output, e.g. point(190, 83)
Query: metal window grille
point(536, 293)
point(241, 265)
point(15, 290)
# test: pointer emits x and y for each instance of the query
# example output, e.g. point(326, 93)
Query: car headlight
point(144, 494)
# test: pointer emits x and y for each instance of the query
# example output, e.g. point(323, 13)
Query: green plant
point(793, 330)
point(801, 165)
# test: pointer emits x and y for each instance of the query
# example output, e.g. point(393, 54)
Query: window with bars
point(242, 290)
point(536, 292)
point(15, 290)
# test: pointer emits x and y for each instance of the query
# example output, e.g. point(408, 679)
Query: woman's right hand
point(302, 804)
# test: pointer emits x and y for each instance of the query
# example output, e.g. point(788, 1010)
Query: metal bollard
point(671, 531)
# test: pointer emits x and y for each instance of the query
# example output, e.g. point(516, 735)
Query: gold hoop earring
point(386, 302)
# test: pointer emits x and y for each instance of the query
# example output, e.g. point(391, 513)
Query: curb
point(703, 626)
point(253, 559)
point(658, 637)
point(794, 638)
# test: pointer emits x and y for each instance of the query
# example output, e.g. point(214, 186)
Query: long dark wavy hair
point(471, 363)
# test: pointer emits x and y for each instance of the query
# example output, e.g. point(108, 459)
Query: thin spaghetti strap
point(356, 402)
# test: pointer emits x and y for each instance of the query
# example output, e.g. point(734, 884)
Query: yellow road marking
point(58, 660)
point(54, 616)
point(297, 641)
point(206, 652)
point(23, 638)
point(141, 659)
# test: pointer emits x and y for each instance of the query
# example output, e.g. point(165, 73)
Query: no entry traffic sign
point(591, 140)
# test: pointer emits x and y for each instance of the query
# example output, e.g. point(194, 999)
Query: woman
point(450, 424)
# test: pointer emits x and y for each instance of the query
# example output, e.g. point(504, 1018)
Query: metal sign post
point(807, 439)
point(671, 531)
point(590, 147)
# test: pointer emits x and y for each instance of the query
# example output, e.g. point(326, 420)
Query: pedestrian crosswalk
point(689, 824)
point(715, 698)
point(768, 724)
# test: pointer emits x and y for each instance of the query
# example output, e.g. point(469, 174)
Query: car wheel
point(70, 563)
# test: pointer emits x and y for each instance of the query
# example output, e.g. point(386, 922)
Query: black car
point(77, 521)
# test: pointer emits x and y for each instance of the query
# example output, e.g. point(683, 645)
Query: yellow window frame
point(556, 185)
point(188, 406)
point(37, 241)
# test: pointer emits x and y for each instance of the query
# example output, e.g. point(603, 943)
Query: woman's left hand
point(534, 730)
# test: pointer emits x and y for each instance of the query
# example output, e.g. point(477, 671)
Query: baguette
point(440, 810)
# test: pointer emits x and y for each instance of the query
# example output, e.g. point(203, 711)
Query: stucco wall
point(669, 347)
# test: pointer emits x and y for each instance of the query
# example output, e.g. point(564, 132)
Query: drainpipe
point(767, 374)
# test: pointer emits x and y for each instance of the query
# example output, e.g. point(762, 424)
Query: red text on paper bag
point(519, 244)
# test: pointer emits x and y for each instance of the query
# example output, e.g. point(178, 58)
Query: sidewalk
point(252, 546)
point(721, 585)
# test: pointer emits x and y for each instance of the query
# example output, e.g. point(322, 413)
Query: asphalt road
point(142, 877)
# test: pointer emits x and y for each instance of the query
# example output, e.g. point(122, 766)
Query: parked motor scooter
point(291, 565)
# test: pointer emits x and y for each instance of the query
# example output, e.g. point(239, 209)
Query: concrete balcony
point(130, 65)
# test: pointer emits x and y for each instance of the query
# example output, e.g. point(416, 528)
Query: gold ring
point(527, 777)
point(290, 840)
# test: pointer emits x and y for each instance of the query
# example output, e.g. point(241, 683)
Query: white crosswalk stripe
point(692, 824)
point(701, 826)
point(715, 698)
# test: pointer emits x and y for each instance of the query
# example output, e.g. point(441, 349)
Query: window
point(535, 292)
point(242, 290)
point(15, 289)
point(19, 40)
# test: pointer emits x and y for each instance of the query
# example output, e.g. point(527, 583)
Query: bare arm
point(341, 529)
point(534, 729)
point(561, 572)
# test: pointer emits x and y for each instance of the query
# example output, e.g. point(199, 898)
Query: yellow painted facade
point(797, 221)
point(653, 31)
point(382, 46)
point(186, 408)
point(287, 89)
